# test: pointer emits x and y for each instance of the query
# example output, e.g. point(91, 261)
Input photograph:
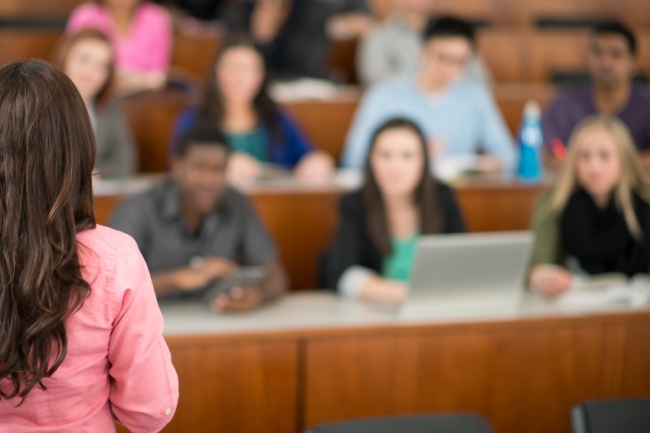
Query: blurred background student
point(194, 229)
point(86, 57)
point(293, 35)
point(596, 219)
point(82, 342)
point(374, 247)
point(457, 114)
point(612, 55)
point(141, 34)
point(394, 46)
point(258, 131)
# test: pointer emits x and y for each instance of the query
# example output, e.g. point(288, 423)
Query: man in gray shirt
point(194, 229)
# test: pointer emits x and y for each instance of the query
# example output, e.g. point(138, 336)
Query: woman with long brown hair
point(80, 330)
point(380, 224)
point(596, 219)
point(237, 100)
point(87, 58)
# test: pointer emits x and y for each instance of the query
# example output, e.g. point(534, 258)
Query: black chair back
point(615, 416)
point(454, 423)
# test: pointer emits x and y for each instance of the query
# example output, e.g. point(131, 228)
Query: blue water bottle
point(531, 168)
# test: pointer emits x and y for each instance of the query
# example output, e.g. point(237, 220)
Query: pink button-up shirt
point(118, 365)
point(147, 47)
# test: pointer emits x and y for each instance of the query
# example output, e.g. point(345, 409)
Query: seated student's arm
point(496, 138)
point(345, 270)
point(546, 274)
point(257, 249)
point(309, 163)
point(247, 298)
point(144, 384)
point(362, 283)
point(192, 277)
point(122, 158)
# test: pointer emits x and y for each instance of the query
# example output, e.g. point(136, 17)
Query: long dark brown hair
point(212, 105)
point(47, 153)
point(62, 52)
point(426, 194)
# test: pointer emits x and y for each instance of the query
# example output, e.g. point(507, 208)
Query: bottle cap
point(532, 109)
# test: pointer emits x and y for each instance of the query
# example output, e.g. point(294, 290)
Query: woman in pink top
point(141, 33)
point(80, 331)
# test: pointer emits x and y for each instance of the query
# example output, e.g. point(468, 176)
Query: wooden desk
point(303, 218)
point(313, 358)
point(326, 122)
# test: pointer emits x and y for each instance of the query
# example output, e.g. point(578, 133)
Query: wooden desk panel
point(522, 378)
point(496, 209)
point(151, 117)
point(326, 123)
point(18, 44)
point(247, 387)
point(303, 226)
point(304, 223)
point(235, 387)
point(104, 207)
point(47, 9)
point(523, 371)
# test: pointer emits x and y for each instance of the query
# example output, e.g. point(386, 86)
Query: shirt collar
point(172, 202)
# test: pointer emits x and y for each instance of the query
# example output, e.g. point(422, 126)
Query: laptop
point(469, 271)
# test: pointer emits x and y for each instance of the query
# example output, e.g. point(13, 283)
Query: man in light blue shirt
point(458, 115)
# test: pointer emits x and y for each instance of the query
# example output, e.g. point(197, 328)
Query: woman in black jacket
point(382, 222)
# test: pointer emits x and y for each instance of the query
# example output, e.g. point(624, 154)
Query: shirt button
point(168, 411)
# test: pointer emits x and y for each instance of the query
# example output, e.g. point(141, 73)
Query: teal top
point(399, 264)
point(254, 143)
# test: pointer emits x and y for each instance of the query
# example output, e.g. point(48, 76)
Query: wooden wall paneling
point(236, 387)
point(151, 117)
point(303, 226)
point(18, 44)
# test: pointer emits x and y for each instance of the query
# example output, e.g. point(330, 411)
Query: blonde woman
point(596, 218)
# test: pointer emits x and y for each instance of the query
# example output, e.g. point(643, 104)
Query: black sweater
point(352, 245)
